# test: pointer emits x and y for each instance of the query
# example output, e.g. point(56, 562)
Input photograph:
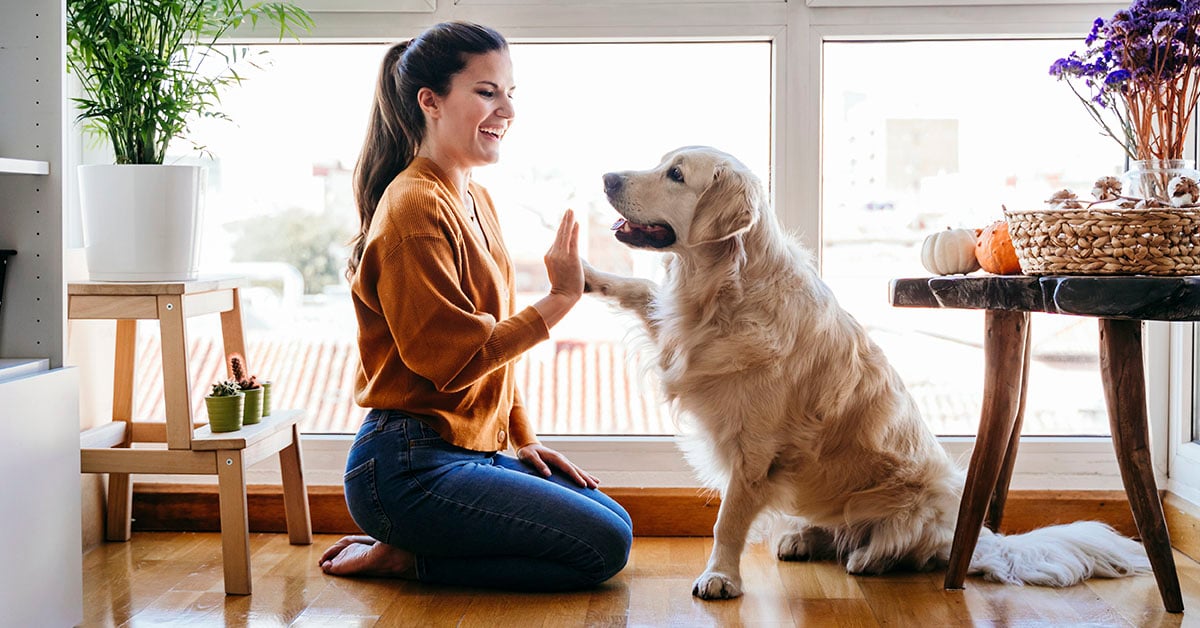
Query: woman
point(438, 333)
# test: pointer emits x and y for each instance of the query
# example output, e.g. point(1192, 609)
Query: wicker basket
point(1109, 241)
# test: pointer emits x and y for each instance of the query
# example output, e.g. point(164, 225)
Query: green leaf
point(147, 67)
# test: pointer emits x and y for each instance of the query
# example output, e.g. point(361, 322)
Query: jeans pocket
point(362, 498)
point(420, 434)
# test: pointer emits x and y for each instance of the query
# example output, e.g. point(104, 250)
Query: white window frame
point(1183, 454)
point(797, 32)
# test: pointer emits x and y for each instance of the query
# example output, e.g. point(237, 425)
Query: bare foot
point(341, 544)
point(364, 556)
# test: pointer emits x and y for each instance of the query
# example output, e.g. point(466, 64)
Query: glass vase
point(1149, 178)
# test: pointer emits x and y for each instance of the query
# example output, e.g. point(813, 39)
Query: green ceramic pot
point(266, 398)
point(225, 413)
point(254, 406)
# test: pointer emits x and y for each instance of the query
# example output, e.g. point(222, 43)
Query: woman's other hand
point(565, 271)
point(541, 458)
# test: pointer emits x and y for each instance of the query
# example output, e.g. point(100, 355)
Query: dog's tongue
point(618, 224)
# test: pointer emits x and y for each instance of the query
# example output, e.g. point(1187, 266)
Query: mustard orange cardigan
point(437, 332)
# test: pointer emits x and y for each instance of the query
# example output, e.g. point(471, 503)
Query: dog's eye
point(675, 174)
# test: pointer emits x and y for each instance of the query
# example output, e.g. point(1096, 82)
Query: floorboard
point(175, 578)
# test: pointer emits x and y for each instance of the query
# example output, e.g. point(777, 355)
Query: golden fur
point(796, 410)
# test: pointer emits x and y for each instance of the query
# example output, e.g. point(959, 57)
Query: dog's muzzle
point(613, 183)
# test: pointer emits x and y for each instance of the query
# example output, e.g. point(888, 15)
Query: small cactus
point(227, 388)
point(238, 366)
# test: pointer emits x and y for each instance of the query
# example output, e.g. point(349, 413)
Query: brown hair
point(397, 124)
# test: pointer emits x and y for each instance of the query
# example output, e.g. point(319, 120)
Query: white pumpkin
point(950, 252)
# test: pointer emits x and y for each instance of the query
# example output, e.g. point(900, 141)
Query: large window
point(920, 136)
point(904, 153)
point(280, 209)
point(799, 92)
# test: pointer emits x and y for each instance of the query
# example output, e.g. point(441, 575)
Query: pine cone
point(1064, 199)
point(1183, 191)
point(1107, 189)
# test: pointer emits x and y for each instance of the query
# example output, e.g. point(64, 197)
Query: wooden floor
point(175, 579)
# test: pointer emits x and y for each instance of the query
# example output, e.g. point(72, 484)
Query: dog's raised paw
point(594, 280)
point(716, 586)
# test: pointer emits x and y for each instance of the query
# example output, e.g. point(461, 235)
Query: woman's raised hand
point(565, 271)
point(562, 260)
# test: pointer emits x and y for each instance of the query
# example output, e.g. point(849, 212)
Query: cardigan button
point(500, 436)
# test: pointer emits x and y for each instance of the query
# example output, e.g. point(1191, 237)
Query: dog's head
point(697, 195)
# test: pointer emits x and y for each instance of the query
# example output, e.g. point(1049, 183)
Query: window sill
point(1044, 463)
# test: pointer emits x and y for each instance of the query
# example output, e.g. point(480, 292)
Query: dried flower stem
point(1141, 67)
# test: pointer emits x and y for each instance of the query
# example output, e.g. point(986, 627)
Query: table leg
point(995, 511)
point(235, 522)
point(120, 487)
point(177, 388)
point(1003, 349)
point(295, 492)
point(232, 335)
point(1125, 394)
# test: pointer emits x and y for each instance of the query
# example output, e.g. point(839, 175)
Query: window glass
point(280, 209)
point(920, 136)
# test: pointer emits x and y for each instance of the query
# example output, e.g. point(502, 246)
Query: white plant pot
point(141, 222)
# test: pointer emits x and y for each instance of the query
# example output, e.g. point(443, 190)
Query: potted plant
point(147, 68)
point(255, 392)
point(225, 406)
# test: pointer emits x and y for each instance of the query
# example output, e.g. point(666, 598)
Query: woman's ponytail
point(387, 150)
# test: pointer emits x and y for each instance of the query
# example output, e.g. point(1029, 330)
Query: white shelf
point(12, 368)
point(23, 166)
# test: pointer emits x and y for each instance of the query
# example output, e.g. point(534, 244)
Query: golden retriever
point(796, 411)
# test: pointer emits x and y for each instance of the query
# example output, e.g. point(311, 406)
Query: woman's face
point(469, 122)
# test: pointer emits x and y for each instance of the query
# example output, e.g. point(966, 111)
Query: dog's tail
point(1058, 556)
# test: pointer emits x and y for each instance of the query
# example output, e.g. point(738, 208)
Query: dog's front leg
point(722, 578)
point(635, 295)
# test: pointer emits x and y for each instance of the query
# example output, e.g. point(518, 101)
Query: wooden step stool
point(190, 448)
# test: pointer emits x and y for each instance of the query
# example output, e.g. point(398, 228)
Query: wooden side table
point(1120, 304)
point(190, 448)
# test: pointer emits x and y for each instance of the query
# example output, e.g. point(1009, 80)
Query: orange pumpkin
point(995, 252)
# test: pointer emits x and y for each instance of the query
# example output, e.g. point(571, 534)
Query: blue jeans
point(477, 518)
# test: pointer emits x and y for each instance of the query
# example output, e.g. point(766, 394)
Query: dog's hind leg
point(796, 540)
point(895, 542)
point(722, 579)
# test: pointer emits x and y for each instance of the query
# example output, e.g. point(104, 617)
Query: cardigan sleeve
point(439, 333)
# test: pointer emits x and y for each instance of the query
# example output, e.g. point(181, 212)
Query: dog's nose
point(612, 183)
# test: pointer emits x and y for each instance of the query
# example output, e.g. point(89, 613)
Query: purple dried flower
point(1095, 34)
point(1137, 61)
point(1116, 77)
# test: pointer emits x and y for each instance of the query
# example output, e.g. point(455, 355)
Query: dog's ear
point(727, 208)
